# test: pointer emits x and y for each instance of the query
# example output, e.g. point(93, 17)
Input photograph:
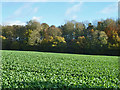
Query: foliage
point(53, 31)
point(66, 38)
point(68, 30)
point(34, 38)
point(22, 69)
point(15, 45)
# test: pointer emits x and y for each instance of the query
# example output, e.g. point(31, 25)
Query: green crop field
point(25, 69)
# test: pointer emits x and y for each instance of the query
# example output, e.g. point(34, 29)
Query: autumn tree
point(68, 31)
point(79, 29)
point(53, 31)
point(35, 36)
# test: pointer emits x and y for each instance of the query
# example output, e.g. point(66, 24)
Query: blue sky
point(57, 13)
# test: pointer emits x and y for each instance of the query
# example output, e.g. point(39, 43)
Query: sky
point(57, 13)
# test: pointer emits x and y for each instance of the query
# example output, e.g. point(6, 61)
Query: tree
point(33, 25)
point(15, 45)
point(71, 37)
point(34, 38)
point(79, 29)
point(103, 37)
point(100, 26)
point(7, 31)
point(68, 31)
point(81, 41)
point(53, 31)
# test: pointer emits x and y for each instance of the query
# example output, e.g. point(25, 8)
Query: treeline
point(72, 37)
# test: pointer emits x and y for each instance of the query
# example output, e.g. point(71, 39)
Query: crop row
point(51, 70)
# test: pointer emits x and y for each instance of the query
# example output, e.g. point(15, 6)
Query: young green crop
point(23, 69)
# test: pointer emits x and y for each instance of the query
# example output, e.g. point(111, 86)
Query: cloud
point(74, 17)
point(71, 12)
point(110, 9)
point(17, 22)
point(35, 10)
point(73, 9)
point(23, 11)
point(22, 8)
point(37, 18)
point(20, 12)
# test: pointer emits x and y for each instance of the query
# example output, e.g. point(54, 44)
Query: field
point(23, 69)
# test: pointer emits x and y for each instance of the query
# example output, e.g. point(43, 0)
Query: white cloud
point(23, 12)
point(71, 12)
point(73, 9)
point(23, 8)
point(110, 9)
point(37, 18)
point(14, 23)
point(74, 17)
point(35, 10)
